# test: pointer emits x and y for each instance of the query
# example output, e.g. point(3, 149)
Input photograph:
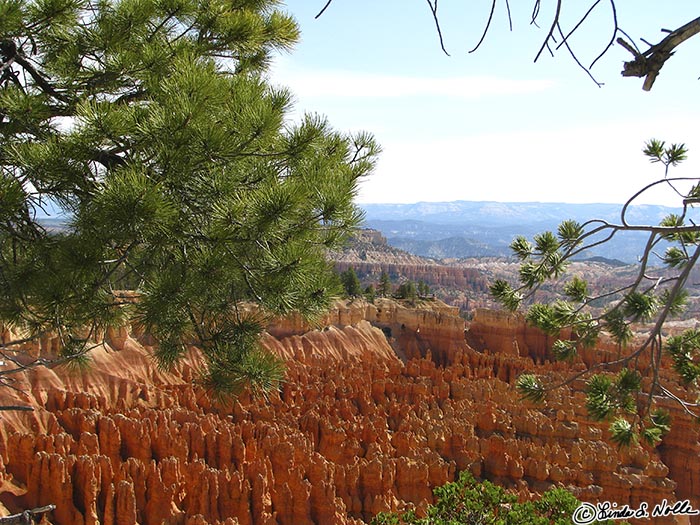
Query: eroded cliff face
point(381, 404)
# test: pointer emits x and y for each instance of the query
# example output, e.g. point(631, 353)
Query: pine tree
point(384, 285)
point(351, 283)
point(407, 290)
point(423, 289)
point(185, 192)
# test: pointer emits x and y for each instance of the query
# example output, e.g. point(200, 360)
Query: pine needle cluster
point(149, 126)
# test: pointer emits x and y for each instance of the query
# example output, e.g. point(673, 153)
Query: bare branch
point(550, 33)
point(510, 18)
point(433, 10)
point(686, 406)
point(629, 202)
point(578, 24)
point(535, 13)
point(27, 517)
point(322, 10)
point(488, 24)
point(612, 38)
point(573, 55)
point(649, 63)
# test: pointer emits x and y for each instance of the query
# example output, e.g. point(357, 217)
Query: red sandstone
point(379, 407)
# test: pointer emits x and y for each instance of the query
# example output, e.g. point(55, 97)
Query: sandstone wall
point(355, 429)
point(435, 275)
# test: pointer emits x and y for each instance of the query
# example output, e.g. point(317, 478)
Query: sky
point(492, 124)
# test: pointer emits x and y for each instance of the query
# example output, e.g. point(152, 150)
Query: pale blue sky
point(492, 125)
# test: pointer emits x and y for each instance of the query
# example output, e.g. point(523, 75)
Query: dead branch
point(27, 517)
point(324, 8)
point(645, 64)
point(649, 63)
point(486, 28)
point(433, 9)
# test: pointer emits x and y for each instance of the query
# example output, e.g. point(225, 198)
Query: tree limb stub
point(27, 517)
point(649, 63)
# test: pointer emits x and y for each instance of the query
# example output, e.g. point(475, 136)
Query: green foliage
point(564, 350)
point(622, 433)
point(546, 243)
point(557, 505)
point(662, 419)
point(684, 349)
point(531, 388)
point(467, 501)
point(407, 290)
point(540, 260)
point(543, 316)
point(423, 289)
point(385, 287)
point(599, 400)
point(576, 289)
point(522, 248)
point(607, 395)
point(570, 233)
point(506, 295)
point(657, 151)
point(658, 425)
point(673, 222)
point(575, 315)
point(640, 306)
point(370, 293)
point(617, 326)
point(675, 257)
point(185, 189)
point(586, 330)
point(351, 283)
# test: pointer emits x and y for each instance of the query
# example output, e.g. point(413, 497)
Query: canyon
point(381, 403)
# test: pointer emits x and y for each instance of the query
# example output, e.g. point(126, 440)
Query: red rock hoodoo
point(379, 407)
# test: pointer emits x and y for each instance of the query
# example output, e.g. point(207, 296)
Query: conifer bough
point(185, 190)
point(577, 316)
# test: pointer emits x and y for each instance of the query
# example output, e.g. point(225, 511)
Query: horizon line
point(490, 201)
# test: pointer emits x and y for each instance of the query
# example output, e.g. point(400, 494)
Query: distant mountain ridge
point(462, 229)
point(492, 212)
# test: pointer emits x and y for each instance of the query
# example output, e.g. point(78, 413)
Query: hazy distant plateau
point(462, 229)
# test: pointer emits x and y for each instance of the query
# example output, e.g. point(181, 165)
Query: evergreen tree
point(370, 293)
point(384, 285)
point(407, 290)
point(184, 189)
point(351, 283)
point(423, 289)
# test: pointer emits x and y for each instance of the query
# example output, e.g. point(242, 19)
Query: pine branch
point(9, 49)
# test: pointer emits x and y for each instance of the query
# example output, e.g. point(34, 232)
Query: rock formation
point(381, 404)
